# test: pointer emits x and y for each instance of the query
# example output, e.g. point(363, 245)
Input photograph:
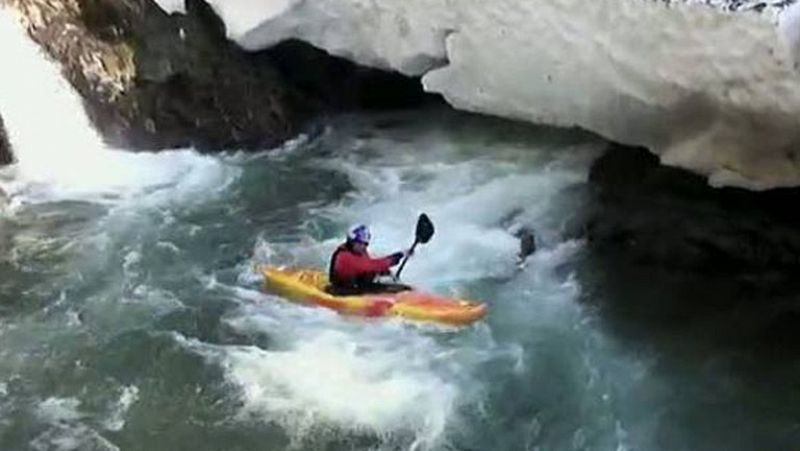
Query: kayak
point(308, 287)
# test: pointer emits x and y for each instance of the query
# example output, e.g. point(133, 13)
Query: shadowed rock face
point(670, 218)
point(5, 148)
point(152, 81)
point(669, 256)
point(338, 84)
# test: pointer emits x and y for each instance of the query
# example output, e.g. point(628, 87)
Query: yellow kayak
point(308, 286)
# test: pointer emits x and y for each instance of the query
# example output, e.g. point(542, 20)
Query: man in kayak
point(353, 271)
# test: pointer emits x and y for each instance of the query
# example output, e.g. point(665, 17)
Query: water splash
point(46, 122)
point(59, 153)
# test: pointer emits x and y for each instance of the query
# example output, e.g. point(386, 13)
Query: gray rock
point(6, 156)
point(527, 243)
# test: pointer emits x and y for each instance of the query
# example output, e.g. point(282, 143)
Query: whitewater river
point(131, 315)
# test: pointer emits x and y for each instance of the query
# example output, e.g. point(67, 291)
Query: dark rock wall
point(691, 270)
point(669, 217)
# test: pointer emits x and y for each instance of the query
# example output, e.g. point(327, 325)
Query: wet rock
point(670, 218)
point(527, 243)
point(6, 156)
point(690, 270)
point(150, 80)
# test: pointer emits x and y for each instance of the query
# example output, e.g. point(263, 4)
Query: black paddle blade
point(425, 229)
point(424, 234)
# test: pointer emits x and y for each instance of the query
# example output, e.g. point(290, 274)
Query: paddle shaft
point(405, 260)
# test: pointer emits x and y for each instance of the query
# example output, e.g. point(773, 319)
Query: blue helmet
point(359, 234)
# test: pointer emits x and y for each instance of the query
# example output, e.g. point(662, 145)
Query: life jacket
point(333, 277)
point(364, 281)
point(364, 268)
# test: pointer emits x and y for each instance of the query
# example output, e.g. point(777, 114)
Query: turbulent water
point(131, 315)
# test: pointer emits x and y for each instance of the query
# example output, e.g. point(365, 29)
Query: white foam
point(467, 201)
point(172, 6)
point(54, 410)
point(116, 420)
point(65, 431)
point(60, 156)
point(333, 383)
point(141, 180)
point(45, 121)
point(333, 379)
point(72, 438)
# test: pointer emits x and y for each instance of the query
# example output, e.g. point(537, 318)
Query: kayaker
point(353, 271)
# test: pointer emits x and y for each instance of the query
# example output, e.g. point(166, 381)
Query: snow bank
point(711, 86)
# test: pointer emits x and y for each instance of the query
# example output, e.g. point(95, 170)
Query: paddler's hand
point(396, 258)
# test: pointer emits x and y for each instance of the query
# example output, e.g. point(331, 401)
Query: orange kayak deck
point(308, 287)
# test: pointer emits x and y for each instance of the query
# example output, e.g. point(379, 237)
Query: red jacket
point(349, 268)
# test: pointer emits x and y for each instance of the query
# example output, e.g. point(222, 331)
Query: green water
point(131, 317)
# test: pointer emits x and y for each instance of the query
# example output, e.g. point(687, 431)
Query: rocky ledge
point(150, 80)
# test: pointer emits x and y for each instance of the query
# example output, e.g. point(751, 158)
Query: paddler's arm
point(363, 264)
